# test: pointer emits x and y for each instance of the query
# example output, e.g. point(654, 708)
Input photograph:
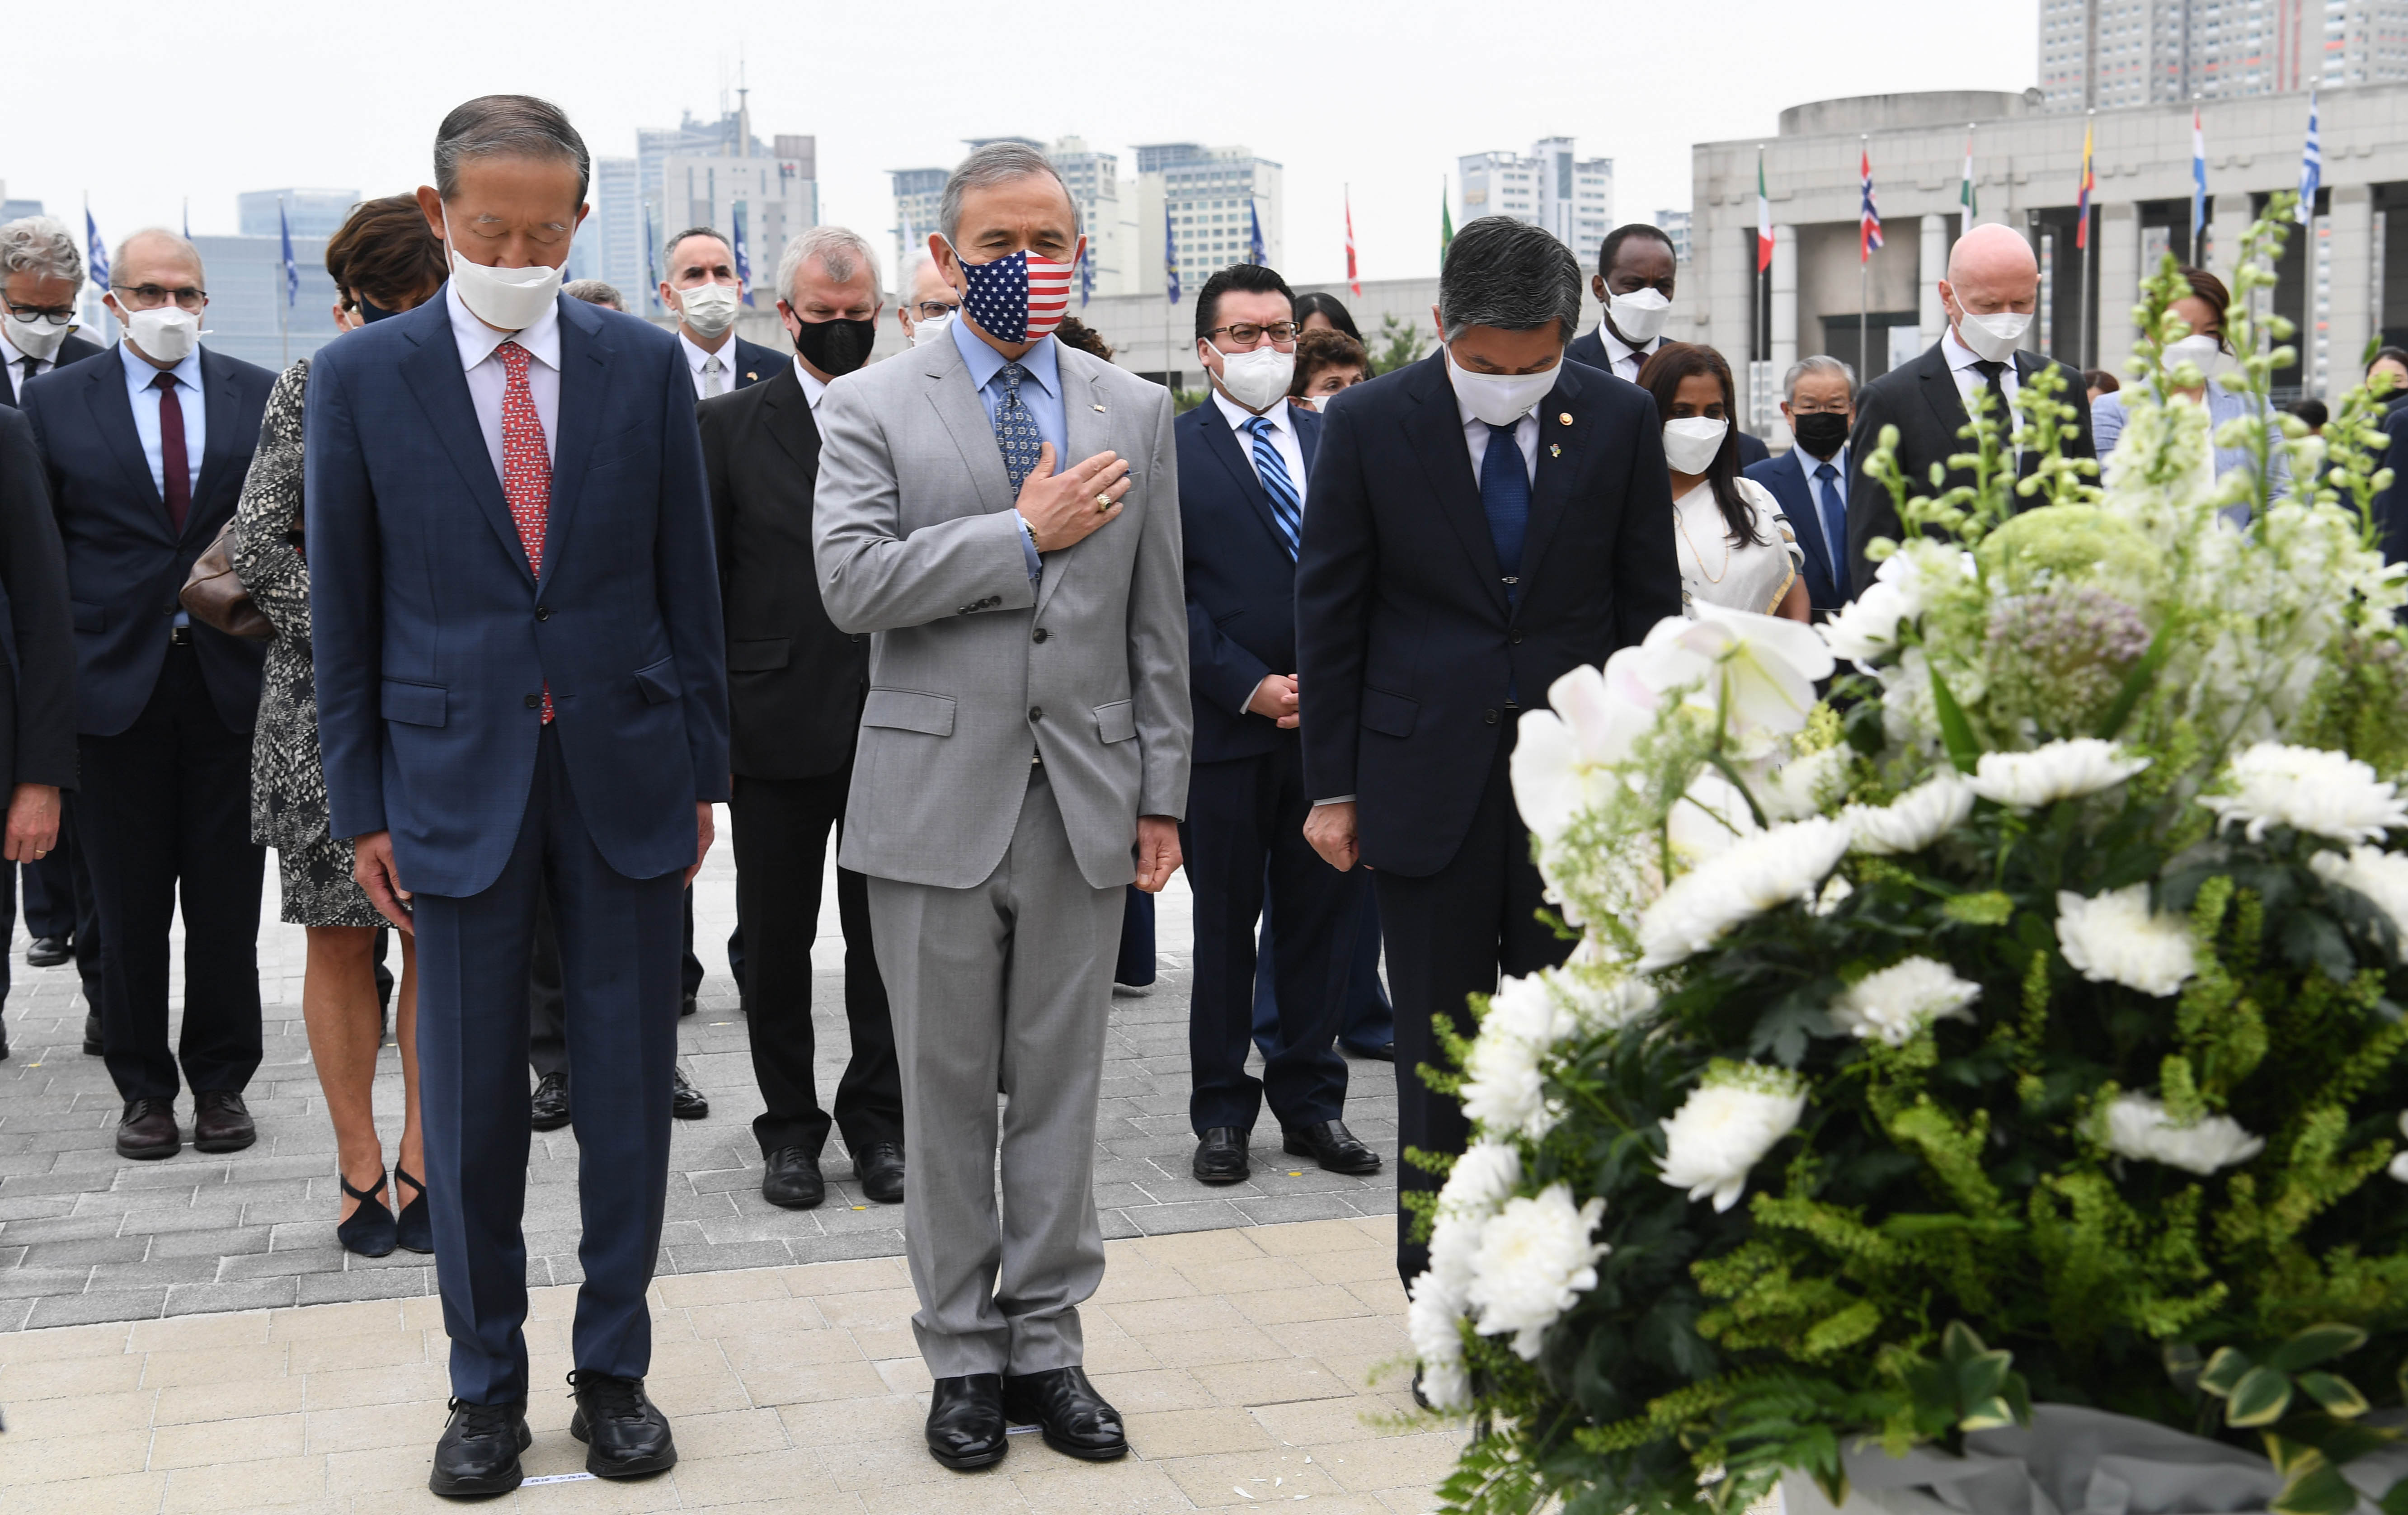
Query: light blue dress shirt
point(139, 377)
point(1043, 399)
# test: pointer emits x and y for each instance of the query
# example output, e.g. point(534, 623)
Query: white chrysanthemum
point(1433, 1322)
point(1755, 874)
point(1481, 1179)
point(1865, 630)
point(2308, 789)
point(1807, 785)
point(2114, 938)
point(2137, 1128)
point(1916, 818)
point(1894, 1003)
point(1454, 1241)
point(1535, 1261)
point(1503, 1082)
point(2380, 876)
point(2060, 771)
point(1623, 996)
point(1726, 1127)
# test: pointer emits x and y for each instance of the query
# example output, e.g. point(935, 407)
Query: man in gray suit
point(1022, 758)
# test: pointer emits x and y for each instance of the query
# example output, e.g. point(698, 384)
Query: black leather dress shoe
point(625, 1435)
point(222, 1122)
point(1332, 1146)
point(793, 1180)
point(1221, 1156)
point(1075, 1420)
point(685, 1101)
point(1385, 1051)
point(879, 1169)
point(91, 1047)
point(548, 1110)
point(147, 1130)
point(686, 1006)
point(966, 1427)
point(48, 952)
point(478, 1456)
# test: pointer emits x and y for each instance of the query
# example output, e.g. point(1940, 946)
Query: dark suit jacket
point(1589, 348)
point(795, 682)
point(433, 642)
point(2391, 506)
point(72, 349)
point(1240, 580)
point(38, 730)
point(758, 364)
point(1406, 646)
point(125, 564)
point(1786, 478)
point(1920, 399)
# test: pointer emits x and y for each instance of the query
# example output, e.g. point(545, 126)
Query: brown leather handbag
point(216, 597)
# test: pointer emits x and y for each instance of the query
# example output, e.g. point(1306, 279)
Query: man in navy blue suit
point(1810, 479)
point(520, 686)
point(1244, 456)
point(146, 448)
point(1482, 522)
point(703, 292)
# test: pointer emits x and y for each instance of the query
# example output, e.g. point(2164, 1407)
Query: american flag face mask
point(1019, 298)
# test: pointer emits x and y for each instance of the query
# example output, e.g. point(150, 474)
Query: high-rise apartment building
point(917, 191)
point(2098, 54)
point(1569, 195)
point(697, 173)
point(610, 245)
point(1210, 197)
point(313, 213)
point(1675, 224)
point(1092, 178)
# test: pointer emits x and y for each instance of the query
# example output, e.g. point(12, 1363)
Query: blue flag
point(1254, 214)
point(188, 218)
point(2311, 166)
point(1087, 275)
point(652, 269)
point(744, 264)
point(94, 252)
point(292, 270)
point(1170, 254)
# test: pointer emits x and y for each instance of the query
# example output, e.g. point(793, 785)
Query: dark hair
point(385, 251)
point(1614, 239)
point(2396, 354)
point(2313, 413)
point(2219, 299)
point(1507, 274)
point(1318, 304)
point(1661, 376)
point(2100, 381)
point(508, 125)
point(1316, 351)
point(668, 249)
point(1250, 278)
point(1078, 334)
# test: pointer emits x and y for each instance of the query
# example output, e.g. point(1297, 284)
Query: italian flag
point(1763, 218)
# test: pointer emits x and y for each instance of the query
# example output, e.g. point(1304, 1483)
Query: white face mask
point(2203, 351)
point(710, 308)
point(505, 299)
point(926, 329)
point(167, 334)
point(38, 337)
point(1256, 379)
point(1498, 399)
point(1639, 316)
point(1691, 443)
point(1993, 339)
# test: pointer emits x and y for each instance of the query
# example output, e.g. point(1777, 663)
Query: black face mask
point(1821, 432)
point(370, 310)
point(834, 348)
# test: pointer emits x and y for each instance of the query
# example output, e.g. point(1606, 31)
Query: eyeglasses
point(151, 297)
point(1247, 334)
point(933, 310)
point(39, 312)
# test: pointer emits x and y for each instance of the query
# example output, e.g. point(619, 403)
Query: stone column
point(2354, 318)
point(1930, 267)
point(1784, 330)
point(2118, 291)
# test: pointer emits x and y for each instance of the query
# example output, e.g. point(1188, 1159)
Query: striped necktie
point(1287, 508)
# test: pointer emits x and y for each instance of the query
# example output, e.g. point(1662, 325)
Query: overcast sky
point(266, 93)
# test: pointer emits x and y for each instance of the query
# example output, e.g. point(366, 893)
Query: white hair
point(1819, 364)
point(840, 249)
point(42, 247)
point(117, 260)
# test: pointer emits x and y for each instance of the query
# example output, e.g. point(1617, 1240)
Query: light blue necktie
point(1285, 507)
point(1505, 499)
point(1834, 512)
point(1015, 428)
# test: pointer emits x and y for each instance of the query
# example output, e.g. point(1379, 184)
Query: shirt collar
point(986, 362)
point(478, 341)
point(1617, 349)
point(1959, 356)
point(141, 374)
point(1239, 417)
point(1808, 463)
point(812, 388)
point(695, 356)
point(10, 356)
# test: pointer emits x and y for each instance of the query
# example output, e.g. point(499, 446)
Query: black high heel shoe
point(413, 1228)
point(369, 1231)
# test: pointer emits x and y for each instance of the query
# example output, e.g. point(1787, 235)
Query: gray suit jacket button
point(1036, 712)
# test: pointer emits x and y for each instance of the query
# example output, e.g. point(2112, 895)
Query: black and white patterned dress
point(288, 783)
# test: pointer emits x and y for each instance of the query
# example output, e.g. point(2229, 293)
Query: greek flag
point(1087, 275)
point(292, 270)
point(2311, 166)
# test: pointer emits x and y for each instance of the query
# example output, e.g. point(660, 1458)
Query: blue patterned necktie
point(1834, 512)
point(1015, 429)
point(1285, 507)
point(1505, 498)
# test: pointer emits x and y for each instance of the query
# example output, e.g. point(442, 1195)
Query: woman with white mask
point(1734, 546)
point(2207, 349)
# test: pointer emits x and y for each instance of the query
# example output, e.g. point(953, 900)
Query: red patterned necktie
point(175, 463)
point(526, 468)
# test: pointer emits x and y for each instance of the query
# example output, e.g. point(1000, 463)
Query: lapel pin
point(750, 376)
point(1554, 449)
point(1099, 409)
point(1565, 416)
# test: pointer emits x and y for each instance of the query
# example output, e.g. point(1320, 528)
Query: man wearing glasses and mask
point(931, 303)
point(146, 457)
point(42, 273)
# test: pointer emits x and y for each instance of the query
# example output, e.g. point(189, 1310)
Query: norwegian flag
point(1016, 310)
point(1868, 214)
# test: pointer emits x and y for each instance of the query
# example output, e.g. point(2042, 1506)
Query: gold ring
point(1103, 503)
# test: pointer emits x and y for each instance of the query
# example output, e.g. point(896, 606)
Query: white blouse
point(1713, 568)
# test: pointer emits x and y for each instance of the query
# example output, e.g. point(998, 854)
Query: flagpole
point(1864, 279)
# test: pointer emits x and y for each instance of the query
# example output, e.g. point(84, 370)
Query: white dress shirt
point(139, 377)
point(812, 388)
point(697, 359)
point(1625, 360)
point(1969, 379)
point(14, 361)
point(489, 380)
point(1284, 439)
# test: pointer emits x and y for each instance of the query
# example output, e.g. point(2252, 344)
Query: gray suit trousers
point(1006, 984)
